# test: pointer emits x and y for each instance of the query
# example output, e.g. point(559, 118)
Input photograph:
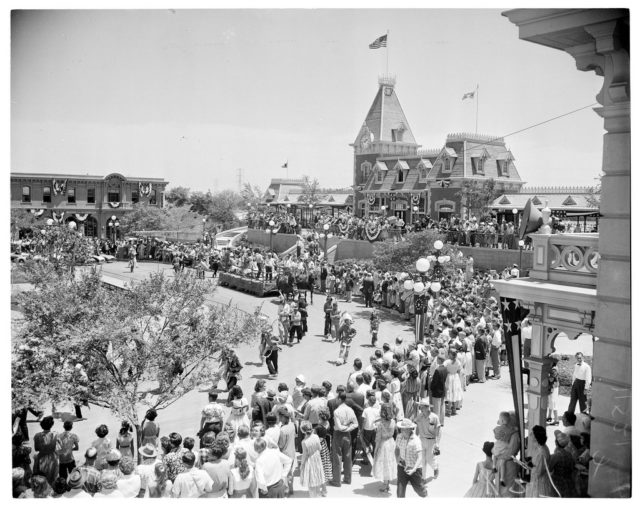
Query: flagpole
point(387, 48)
point(477, 101)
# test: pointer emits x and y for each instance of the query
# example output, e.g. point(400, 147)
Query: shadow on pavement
point(372, 490)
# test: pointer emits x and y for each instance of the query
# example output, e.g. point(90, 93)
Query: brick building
point(90, 201)
point(392, 175)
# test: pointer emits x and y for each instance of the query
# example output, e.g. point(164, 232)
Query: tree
point(402, 256)
point(477, 195)
point(22, 219)
point(251, 194)
point(201, 202)
point(310, 191)
point(125, 351)
point(224, 207)
point(178, 196)
point(594, 192)
point(144, 217)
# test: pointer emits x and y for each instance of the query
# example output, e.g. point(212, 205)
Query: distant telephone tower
point(239, 179)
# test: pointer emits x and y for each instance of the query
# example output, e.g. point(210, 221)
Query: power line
point(532, 126)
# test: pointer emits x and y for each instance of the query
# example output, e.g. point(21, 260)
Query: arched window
point(26, 194)
point(365, 170)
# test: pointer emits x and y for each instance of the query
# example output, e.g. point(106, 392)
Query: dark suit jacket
point(438, 381)
point(355, 401)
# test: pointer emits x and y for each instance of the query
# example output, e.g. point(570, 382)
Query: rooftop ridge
point(387, 80)
point(465, 136)
point(428, 151)
point(564, 190)
point(287, 181)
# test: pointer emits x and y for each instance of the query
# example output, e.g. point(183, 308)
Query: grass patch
point(565, 370)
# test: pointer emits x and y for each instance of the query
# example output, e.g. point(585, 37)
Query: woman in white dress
point(385, 467)
point(311, 470)
point(453, 385)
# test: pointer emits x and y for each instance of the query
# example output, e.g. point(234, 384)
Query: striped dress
point(325, 455)
point(311, 468)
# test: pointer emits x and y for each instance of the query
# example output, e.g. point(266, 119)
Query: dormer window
point(379, 176)
point(447, 164)
point(478, 164)
point(400, 176)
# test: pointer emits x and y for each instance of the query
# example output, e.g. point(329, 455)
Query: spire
point(385, 121)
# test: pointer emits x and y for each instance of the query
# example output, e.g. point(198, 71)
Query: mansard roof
point(385, 115)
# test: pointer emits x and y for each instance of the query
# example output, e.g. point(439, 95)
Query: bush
point(402, 256)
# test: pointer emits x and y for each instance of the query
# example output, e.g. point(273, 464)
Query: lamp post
point(420, 297)
point(521, 245)
point(113, 225)
point(204, 221)
point(325, 236)
point(515, 218)
point(271, 230)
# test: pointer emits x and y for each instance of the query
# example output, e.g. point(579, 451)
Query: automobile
point(19, 257)
point(103, 258)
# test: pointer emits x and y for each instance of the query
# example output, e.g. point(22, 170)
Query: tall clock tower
point(384, 133)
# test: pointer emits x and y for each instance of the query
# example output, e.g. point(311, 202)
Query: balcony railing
point(566, 258)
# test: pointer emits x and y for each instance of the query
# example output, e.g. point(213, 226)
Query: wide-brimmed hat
point(300, 378)
point(405, 423)
point(424, 402)
point(148, 451)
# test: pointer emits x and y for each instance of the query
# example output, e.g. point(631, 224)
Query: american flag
point(471, 94)
point(379, 42)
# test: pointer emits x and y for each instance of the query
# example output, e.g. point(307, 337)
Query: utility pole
point(239, 180)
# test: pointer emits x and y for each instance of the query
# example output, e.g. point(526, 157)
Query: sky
point(192, 96)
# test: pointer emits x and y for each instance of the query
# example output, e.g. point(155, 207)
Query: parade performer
point(345, 335)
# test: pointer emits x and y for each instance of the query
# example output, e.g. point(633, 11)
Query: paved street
point(314, 357)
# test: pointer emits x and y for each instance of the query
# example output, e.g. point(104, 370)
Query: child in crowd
point(374, 324)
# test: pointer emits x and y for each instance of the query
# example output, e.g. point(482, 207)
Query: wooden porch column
point(539, 365)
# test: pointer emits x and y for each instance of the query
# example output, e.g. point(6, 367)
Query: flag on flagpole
point(286, 164)
point(471, 94)
point(379, 42)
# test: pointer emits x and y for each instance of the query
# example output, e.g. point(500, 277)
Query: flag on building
point(471, 94)
point(443, 183)
point(379, 42)
point(286, 164)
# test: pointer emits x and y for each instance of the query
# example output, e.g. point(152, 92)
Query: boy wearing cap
point(428, 430)
point(409, 458)
point(90, 475)
point(146, 469)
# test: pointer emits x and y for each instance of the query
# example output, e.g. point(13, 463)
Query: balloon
point(50, 221)
point(418, 287)
point(422, 265)
point(408, 284)
point(72, 225)
point(438, 244)
point(436, 286)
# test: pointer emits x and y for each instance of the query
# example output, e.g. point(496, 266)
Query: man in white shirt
point(428, 430)
point(272, 466)
point(370, 416)
point(515, 272)
point(193, 482)
point(244, 441)
point(581, 383)
point(496, 342)
point(344, 421)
